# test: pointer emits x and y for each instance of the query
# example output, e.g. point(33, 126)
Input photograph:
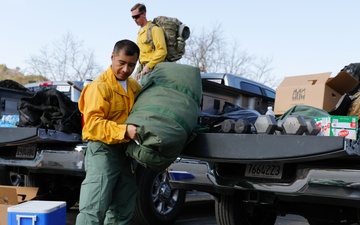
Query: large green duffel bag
point(166, 112)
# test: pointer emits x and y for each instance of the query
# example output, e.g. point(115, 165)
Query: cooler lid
point(35, 206)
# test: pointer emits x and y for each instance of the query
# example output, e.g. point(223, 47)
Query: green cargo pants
point(108, 192)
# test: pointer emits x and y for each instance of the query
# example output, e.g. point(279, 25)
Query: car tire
point(231, 210)
point(157, 203)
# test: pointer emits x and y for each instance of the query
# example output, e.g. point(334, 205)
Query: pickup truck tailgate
point(250, 147)
point(23, 135)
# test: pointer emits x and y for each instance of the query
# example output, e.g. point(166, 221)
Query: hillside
point(16, 75)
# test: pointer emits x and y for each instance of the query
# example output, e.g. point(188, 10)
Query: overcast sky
point(302, 37)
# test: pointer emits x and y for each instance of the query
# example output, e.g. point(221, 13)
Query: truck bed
point(9, 100)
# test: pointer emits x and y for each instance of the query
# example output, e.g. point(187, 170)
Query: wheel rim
point(16, 179)
point(163, 196)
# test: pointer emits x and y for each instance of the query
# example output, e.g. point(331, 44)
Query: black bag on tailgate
point(210, 121)
point(50, 109)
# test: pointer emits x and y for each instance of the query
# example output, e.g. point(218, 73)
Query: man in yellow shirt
point(108, 192)
point(150, 54)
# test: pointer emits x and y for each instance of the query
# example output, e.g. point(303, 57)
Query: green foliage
point(16, 75)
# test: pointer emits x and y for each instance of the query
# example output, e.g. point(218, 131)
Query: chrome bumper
point(71, 161)
point(336, 186)
point(189, 174)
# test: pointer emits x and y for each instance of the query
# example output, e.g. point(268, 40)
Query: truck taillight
point(46, 83)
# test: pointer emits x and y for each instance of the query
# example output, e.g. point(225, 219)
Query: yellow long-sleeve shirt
point(150, 56)
point(105, 106)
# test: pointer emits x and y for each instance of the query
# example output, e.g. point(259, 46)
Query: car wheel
point(157, 203)
point(230, 210)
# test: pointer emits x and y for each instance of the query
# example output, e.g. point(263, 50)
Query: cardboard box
point(38, 213)
point(13, 195)
point(317, 90)
point(345, 126)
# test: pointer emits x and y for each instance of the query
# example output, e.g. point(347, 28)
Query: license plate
point(26, 151)
point(264, 170)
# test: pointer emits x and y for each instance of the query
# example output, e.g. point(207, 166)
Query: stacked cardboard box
point(13, 195)
point(317, 90)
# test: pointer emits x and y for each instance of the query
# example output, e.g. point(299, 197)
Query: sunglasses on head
point(137, 16)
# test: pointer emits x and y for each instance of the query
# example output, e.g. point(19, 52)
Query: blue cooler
point(37, 213)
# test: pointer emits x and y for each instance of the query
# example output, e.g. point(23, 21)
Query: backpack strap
point(149, 36)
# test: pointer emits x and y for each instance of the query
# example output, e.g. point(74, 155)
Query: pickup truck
point(31, 156)
point(53, 160)
point(256, 177)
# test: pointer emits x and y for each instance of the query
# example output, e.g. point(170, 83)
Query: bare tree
point(67, 59)
point(260, 71)
point(204, 50)
point(211, 53)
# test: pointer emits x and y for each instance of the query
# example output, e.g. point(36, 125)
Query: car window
point(269, 93)
point(219, 81)
point(250, 88)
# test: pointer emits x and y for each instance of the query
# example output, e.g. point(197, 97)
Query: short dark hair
point(129, 47)
point(141, 7)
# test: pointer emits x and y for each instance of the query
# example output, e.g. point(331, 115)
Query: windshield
point(66, 89)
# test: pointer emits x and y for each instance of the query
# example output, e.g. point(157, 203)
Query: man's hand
point(145, 70)
point(131, 131)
